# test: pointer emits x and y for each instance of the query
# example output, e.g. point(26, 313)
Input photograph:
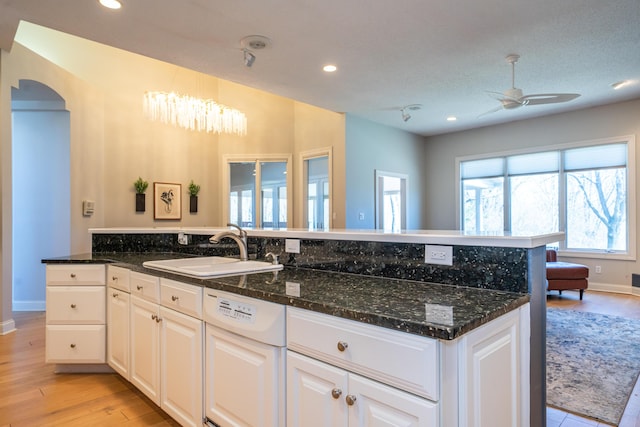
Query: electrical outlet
point(292, 246)
point(361, 216)
point(598, 269)
point(435, 254)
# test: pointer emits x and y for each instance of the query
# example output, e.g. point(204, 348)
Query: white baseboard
point(610, 287)
point(29, 306)
point(7, 326)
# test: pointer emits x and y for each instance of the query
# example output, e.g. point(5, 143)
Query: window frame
point(227, 160)
point(629, 140)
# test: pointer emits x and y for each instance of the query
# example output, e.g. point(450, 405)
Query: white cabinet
point(337, 392)
point(181, 367)
point(166, 347)
point(75, 316)
point(145, 347)
point(321, 395)
point(494, 373)
point(339, 373)
point(118, 313)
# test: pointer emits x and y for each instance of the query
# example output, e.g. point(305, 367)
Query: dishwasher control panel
point(238, 311)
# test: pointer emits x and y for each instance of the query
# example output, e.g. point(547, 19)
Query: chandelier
point(193, 113)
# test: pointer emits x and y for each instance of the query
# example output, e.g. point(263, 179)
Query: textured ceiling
point(443, 55)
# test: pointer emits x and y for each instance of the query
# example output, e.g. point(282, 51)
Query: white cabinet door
point(145, 348)
point(244, 381)
point(181, 367)
point(118, 331)
point(372, 404)
point(490, 374)
point(315, 393)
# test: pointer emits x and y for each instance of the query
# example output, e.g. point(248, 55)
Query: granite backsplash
point(496, 268)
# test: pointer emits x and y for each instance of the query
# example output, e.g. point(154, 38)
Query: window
point(316, 188)
point(258, 194)
point(580, 189)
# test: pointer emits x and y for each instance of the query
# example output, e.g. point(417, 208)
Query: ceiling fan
point(514, 98)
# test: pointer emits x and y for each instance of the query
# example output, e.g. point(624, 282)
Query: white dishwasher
point(244, 361)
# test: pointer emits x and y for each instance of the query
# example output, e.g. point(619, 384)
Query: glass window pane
point(534, 204)
point(597, 209)
point(273, 177)
point(242, 181)
point(483, 204)
point(317, 179)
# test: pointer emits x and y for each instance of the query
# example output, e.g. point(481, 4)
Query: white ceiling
point(444, 55)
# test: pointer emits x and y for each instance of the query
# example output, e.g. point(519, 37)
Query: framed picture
point(167, 200)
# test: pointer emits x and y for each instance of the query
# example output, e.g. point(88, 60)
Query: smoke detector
point(255, 42)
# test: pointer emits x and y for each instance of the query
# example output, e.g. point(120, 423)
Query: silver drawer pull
point(336, 393)
point(342, 345)
point(73, 306)
point(351, 399)
point(138, 287)
point(72, 346)
point(174, 298)
point(73, 275)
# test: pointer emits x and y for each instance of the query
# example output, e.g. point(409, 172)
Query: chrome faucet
point(240, 239)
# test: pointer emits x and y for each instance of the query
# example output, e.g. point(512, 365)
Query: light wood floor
point(31, 394)
point(604, 303)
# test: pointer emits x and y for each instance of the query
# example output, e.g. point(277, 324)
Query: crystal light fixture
point(193, 113)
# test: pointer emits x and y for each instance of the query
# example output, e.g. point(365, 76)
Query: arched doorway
point(40, 188)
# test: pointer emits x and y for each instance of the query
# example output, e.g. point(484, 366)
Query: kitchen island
point(327, 277)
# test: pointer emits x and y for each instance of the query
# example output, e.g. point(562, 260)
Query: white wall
point(593, 123)
point(372, 147)
point(41, 201)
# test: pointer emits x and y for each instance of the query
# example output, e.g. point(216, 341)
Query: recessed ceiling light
point(329, 68)
point(622, 83)
point(111, 4)
point(452, 118)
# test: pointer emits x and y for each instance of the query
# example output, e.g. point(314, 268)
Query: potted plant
point(193, 189)
point(140, 186)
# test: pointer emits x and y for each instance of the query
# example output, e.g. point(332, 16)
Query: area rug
point(593, 362)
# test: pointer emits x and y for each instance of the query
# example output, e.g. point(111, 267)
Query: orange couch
point(565, 275)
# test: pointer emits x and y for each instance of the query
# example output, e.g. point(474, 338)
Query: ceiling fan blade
point(493, 110)
point(549, 98)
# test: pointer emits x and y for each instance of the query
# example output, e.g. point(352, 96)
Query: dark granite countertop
point(427, 309)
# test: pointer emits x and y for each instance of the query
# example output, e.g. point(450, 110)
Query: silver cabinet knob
point(115, 295)
point(336, 393)
point(174, 298)
point(73, 275)
point(73, 306)
point(138, 287)
point(158, 319)
point(342, 346)
point(350, 399)
point(114, 278)
point(154, 317)
point(72, 346)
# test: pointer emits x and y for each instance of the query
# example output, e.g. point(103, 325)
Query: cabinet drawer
point(72, 274)
point(118, 277)
point(144, 286)
point(181, 297)
point(75, 344)
point(406, 361)
point(75, 305)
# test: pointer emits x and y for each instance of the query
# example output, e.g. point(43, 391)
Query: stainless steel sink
point(210, 267)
